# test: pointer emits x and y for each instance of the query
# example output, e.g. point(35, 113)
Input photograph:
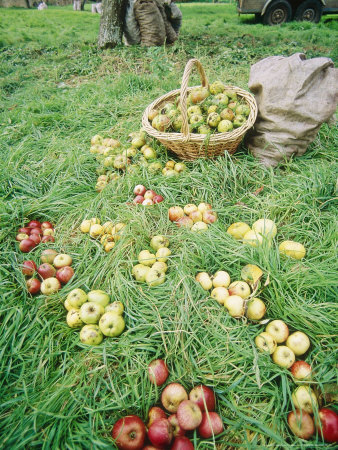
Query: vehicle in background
point(276, 12)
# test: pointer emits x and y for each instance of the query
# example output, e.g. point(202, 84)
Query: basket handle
point(183, 94)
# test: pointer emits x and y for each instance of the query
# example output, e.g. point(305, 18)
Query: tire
point(309, 11)
point(277, 13)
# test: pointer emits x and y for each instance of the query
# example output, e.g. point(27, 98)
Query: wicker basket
point(189, 146)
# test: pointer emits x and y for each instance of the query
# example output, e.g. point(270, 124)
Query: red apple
point(328, 427)
point(48, 255)
point(24, 230)
point(21, 236)
point(46, 225)
point(160, 433)
point(47, 239)
point(158, 198)
point(189, 415)
point(172, 396)
point(175, 213)
point(301, 424)
point(27, 245)
point(129, 432)
point(33, 285)
point(46, 270)
point(150, 447)
point(184, 221)
point(182, 443)
point(154, 414)
point(36, 238)
point(28, 267)
point(158, 372)
point(34, 224)
point(209, 217)
point(301, 370)
point(64, 274)
point(140, 190)
point(204, 397)
point(211, 425)
point(177, 429)
point(35, 231)
point(138, 199)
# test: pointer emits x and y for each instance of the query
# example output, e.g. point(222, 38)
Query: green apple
point(265, 227)
point(243, 110)
point(159, 241)
point(140, 271)
point(239, 121)
point(161, 266)
point(222, 98)
point(231, 94)
point(227, 114)
point(212, 108)
point(73, 318)
point(255, 309)
point(204, 129)
point(266, 343)
point(91, 312)
point(146, 258)
point(180, 167)
point(99, 296)
point(91, 335)
point(155, 277)
point(76, 298)
point(115, 307)
point(68, 306)
point(111, 324)
point(238, 230)
point(177, 123)
point(251, 273)
point(283, 356)
point(195, 118)
point(216, 87)
point(235, 305)
point(252, 238)
point(194, 110)
point(213, 119)
point(162, 254)
point(199, 227)
point(224, 126)
point(155, 166)
point(149, 153)
point(304, 398)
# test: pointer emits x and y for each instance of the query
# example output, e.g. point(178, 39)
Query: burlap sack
point(174, 15)
point(131, 29)
point(295, 97)
point(150, 21)
point(171, 36)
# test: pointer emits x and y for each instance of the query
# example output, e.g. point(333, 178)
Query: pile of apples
point(263, 231)
point(152, 267)
point(210, 110)
point(54, 271)
point(146, 197)
point(173, 169)
point(235, 296)
point(94, 314)
point(108, 233)
point(33, 233)
point(167, 426)
point(196, 218)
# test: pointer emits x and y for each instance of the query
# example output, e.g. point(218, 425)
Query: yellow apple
point(238, 230)
point(265, 227)
point(292, 249)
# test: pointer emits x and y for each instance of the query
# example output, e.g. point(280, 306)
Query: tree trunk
point(83, 4)
point(111, 25)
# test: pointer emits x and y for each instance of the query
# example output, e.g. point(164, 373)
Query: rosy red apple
point(301, 424)
point(150, 447)
point(172, 396)
point(47, 239)
point(204, 397)
point(158, 372)
point(21, 236)
point(24, 230)
point(48, 255)
point(177, 429)
point(301, 370)
point(209, 217)
point(28, 268)
point(160, 433)
point(45, 225)
point(46, 270)
point(35, 231)
point(175, 213)
point(184, 221)
point(140, 190)
point(36, 238)
point(158, 198)
point(182, 443)
point(154, 414)
point(34, 224)
point(33, 285)
point(211, 425)
point(328, 427)
point(64, 274)
point(189, 415)
point(129, 433)
point(27, 245)
point(138, 199)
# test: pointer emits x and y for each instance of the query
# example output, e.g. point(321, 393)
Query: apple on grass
point(28, 268)
point(220, 294)
point(196, 216)
point(159, 241)
point(111, 324)
point(221, 279)
point(76, 298)
point(158, 198)
point(301, 370)
point(99, 296)
point(62, 260)
point(65, 274)
point(240, 288)
point(184, 221)
point(139, 199)
point(304, 398)
point(158, 372)
point(328, 426)
point(33, 286)
point(266, 343)
point(301, 424)
point(189, 208)
point(199, 227)
point(91, 312)
point(24, 230)
point(235, 305)
point(265, 227)
point(146, 258)
point(189, 415)
point(115, 307)
point(177, 429)
point(182, 443)
point(47, 239)
point(172, 396)
point(155, 413)
point(292, 249)
point(48, 232)
point(255, 309)
point(209, 217)
point(139, 272)
point(149, 194)
point(278, 330)
point(91, 335)
point(73, 319)
point(147, 202)
point(46, 225)
point(211, 425)
point(175, 213)
point(160, 433)
point(204, 397)
point(298, 342)
point(48, 255)
point(50, 286)
point(26, 245)
point(46, 271)
point(21, 236)
point(162, 254)
point(283, 356)
point(140, 190)
point(36, 238)
point(35, 231)
point(34, 224)
point(129, 433)
point(155, 277)
point(204, 280)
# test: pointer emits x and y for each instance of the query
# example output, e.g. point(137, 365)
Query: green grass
point(57, 90)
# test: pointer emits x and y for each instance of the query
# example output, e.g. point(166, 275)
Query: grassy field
point(57, 91)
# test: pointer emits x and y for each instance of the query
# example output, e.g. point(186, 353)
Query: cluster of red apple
point(108, 233)
point(196, 218)
point(146, 197)
point(33, 233)
point(55, 270)
point(263, 231)
point(94, 314)
point(235, 296)
point(185, 413)
point(152, 267)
